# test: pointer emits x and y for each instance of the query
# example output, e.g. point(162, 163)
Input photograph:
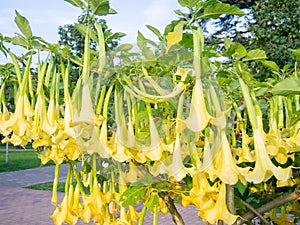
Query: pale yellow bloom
point(198, 117)
point(264, 168)
point(202, 194)
point(63, 213)
point(220, 210)
point(175, 168)
point(18, 123)
point(218, 161)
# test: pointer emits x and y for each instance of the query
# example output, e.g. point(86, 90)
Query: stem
point(143, 214)
point(177, 218)
point(86, 59)
point(249, 104)
point(155, 215)
point(77, 177)
point(255, 212)
point(197, 41)
point(269, 206)
point(55, 183)
point(230, 198)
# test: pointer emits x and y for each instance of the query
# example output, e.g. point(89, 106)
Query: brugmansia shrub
point(162, 121)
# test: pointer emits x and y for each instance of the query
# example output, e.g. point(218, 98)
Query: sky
point(45, 16)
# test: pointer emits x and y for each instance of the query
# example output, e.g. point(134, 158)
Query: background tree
point(270, 25)
point(275, 29)
point(71, 36)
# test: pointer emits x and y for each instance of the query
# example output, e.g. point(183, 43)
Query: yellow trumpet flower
point(97, 201)
point(132, 175)
point(198, 117)
point(264, 168)
point(220, 210)
point(202, 194)
point(57, 155)
point(295, 138)
point(63, 213)
point(153, 151)
point(4, 116)
point(175, 169)
point(85, 124)
point(18, 122)
point(118, 151)
point(45, 156)
point(51, 114)
point(132, 215)
point(218, 161)
point(104, 150)
point(245, 155)
point(41, 118)
point(282, 219)
point(86, 213)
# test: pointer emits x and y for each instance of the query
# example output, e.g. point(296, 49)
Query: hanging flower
point(198, 117)
point(219, 211)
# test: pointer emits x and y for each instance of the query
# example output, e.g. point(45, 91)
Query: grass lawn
point(48, 186)
point(19, 160)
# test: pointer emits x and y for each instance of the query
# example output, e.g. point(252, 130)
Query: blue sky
point(46, 16)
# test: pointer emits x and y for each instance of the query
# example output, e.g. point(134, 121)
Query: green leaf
point(270, 64)
point(101, 7)
point(180, 13)
point(216, 10)
point(76, 3)
point(17, 40)
point(116, 35)
point(146, 51)
point(296, 53)
point(112, 11)
point(235, 49)
point(241, 187)
point(86, 168)
point(188, 3)
point(227, 43)
point(124, 47)
point(83, 28)
point(132, 195)
point(23, 25)
point(289, 86)
point(255, 54)
point(155, 31)
point(295, 118)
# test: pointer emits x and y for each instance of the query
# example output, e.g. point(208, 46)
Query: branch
point(230, 198)
point(270, 205)
point(255, 211)
point(172, 208)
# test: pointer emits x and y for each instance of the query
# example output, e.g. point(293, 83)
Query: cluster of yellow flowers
point(73, 129)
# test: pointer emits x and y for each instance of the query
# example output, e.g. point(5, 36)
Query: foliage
point(276, 29)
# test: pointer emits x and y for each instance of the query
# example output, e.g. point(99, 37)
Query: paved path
point(27, 177)
point(20, 206)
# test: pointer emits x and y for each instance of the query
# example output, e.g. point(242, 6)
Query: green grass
point(19, 160)
point(48, 186)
